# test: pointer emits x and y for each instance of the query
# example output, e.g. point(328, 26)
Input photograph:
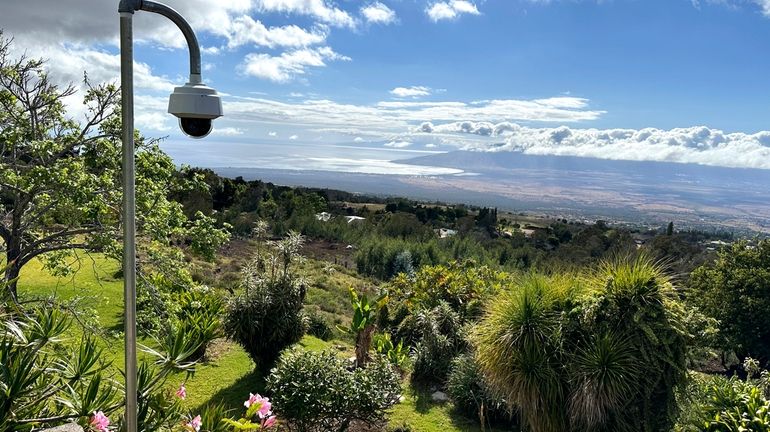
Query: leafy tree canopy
point(60, 179)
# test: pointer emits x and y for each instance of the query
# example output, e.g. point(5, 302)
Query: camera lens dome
point(195, 127)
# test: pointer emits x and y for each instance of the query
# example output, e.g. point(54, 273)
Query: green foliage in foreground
point(46, 380)
point(467, 387)
point(736, 291)
point(719, 404)
point(604, 352)
point(321, 392)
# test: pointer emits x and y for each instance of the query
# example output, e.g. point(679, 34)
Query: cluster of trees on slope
point(397, 234)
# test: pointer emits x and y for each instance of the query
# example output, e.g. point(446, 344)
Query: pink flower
point(268, 422)
point(264, 404)
point(264, 410)
point(182, 392)
point(195, 424)
point(253, 398)
point(100, 421)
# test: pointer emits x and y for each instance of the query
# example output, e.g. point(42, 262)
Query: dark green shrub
point(317, 326)
point(469, 392)
point(440, 342)
point(266, 316)
point(736, 291)
point(321, 392)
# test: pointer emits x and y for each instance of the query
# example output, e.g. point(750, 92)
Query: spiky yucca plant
point(602, 351)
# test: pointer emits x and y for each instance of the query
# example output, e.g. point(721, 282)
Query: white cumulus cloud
point(378, 13)
point(697, 145)
point(227, 131)
point(450, 10)
point(322, 10)
point(413, 91)
point(245, 29)
point(288, 65)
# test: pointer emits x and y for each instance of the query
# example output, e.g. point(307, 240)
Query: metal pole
point(187, 31)
point(129, 214)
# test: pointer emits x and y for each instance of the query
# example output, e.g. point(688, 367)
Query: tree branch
point(27, 258)
point(57, 235)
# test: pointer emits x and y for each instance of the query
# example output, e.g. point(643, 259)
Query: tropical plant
point(396, 354)
point(318, 392)
point(363, 323)
point(736, 291)
point(258, 417)
point(603, 352)
point(467, 388)
point(47, 379)
point(464, 285)
point(34, 370)
point(440, 341)
point(719, 404)
point(266, 316)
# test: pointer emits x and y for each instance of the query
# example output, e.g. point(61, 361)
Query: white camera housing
point(196, 105)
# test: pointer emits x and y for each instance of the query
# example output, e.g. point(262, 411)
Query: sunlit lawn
point(229, 376)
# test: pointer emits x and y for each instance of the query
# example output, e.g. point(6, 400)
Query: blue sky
point(679, 80)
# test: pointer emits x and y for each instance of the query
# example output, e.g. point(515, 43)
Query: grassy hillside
point(228, 376)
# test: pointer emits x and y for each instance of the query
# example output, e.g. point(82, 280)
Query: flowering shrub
point(259, 415)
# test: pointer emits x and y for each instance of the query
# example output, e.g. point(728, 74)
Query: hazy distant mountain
point(623, 191)
point(656, 190)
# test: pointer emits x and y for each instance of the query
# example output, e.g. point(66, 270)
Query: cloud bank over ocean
point(698, 145)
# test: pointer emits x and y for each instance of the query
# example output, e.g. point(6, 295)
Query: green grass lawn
point(229, 376)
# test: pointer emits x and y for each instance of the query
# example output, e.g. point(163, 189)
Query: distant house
point(716, 245)
point(323, 216)
point(446, 232)
point(352, 219)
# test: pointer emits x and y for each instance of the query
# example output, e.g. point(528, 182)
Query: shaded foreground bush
point(468, 390)
point(320, 392)
point(603, 352)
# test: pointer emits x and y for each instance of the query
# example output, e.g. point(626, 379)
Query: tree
point(266, 316)
point(736, 291)
point(60, 180)
point(670, 229)
point(603, 352)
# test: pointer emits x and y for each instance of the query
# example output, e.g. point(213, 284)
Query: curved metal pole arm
point(192, 41)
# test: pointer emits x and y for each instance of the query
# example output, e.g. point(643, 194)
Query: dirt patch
point(336, 253)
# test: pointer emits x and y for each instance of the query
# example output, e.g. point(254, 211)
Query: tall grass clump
point(601, 351)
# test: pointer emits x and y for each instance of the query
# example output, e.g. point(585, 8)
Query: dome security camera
point(196, 105)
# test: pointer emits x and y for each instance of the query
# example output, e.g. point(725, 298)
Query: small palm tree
point(597, 352)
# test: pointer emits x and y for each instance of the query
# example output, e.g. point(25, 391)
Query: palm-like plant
point(518, 350)
point(601, 352)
